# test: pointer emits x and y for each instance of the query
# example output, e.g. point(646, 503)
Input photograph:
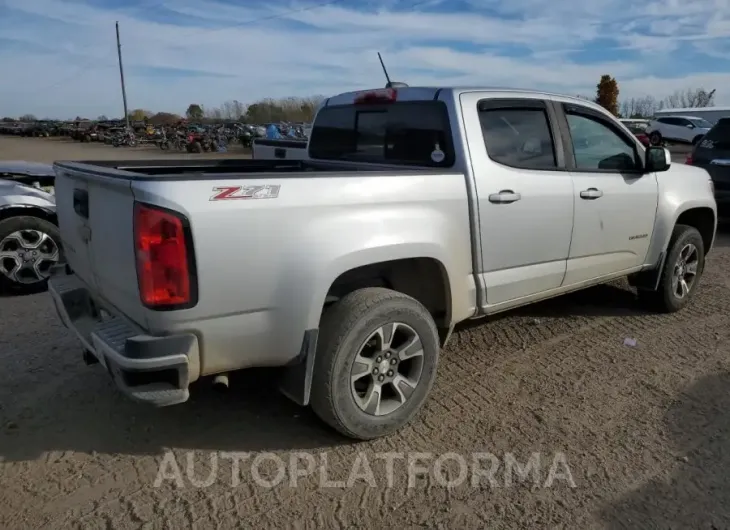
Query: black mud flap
point(296, 379)
point(648, 280)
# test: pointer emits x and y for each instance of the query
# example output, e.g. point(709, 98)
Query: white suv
point(685, 129)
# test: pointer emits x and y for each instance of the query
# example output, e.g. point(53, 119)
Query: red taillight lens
point(163, 266)
point(689, 159)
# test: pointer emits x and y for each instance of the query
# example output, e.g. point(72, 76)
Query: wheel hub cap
point(387, 369)
point(685, 271)
point(26, 256)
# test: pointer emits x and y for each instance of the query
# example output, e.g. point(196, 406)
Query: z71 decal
point(229, 193)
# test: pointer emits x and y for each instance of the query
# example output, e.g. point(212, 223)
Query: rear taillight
point(164, 258)
point(689, 159)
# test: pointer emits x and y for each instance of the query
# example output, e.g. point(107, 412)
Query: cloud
point(59, 56)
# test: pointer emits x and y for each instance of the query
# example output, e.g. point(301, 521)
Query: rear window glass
point(407, 133)
point(719, 135)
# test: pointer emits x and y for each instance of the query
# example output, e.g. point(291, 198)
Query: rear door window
point(518, 137)
point(406, 133)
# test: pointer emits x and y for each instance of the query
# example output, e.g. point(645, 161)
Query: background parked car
point(682, 129)
point(638, 127)
point(30, 243)
point(712, 153)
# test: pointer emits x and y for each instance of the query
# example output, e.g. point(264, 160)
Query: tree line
point(607, 95)
point(263, 111)
point(267, 110)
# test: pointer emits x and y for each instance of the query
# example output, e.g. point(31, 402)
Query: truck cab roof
point(421, 93)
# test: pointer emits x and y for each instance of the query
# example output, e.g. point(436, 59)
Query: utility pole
point(121, 75)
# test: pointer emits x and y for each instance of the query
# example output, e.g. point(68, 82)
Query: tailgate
point(95, 215)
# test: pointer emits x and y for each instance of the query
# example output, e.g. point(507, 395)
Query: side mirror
point(657, 159)
point(690, 126)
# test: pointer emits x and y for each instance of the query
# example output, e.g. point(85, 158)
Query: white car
point(685, 129)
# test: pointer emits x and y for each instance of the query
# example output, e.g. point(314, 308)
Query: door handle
point(591, 193)
point(81, 203)
point(505, 197)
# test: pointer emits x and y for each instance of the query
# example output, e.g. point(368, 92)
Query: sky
point(59, 57)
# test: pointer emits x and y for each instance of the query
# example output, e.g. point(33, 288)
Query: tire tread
point(335, 325)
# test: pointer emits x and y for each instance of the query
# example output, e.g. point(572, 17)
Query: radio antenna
point(385, 70)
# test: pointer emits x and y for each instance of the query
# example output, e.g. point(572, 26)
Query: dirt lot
point(643, 429)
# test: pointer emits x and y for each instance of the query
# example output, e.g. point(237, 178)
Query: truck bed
point(229, 168)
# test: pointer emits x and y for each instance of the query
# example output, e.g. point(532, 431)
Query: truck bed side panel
point(265, 265)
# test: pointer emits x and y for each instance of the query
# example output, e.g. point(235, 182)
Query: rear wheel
point(29, 247)
point(196, 147)
point(375, 363)
point(681, 273)
point(655, 138)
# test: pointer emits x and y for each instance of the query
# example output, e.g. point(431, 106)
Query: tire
point(196, 147)
point(344, 329)
point(213, 147)
point(655, 138)
point(665, 299)
point(15, 224)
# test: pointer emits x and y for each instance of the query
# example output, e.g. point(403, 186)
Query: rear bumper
point(146, 368)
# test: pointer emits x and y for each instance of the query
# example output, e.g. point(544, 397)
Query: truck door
point(525, 197)
point(615, 201)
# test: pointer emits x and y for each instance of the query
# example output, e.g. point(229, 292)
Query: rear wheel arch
point(425, 279)
point(28, 211)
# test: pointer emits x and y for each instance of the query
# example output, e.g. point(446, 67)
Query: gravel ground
point(642, 429)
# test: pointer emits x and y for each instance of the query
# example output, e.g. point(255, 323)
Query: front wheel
point(681, 274)
point(375, 363)
point(29, 247)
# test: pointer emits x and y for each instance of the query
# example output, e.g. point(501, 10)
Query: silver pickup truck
point(417, 208)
